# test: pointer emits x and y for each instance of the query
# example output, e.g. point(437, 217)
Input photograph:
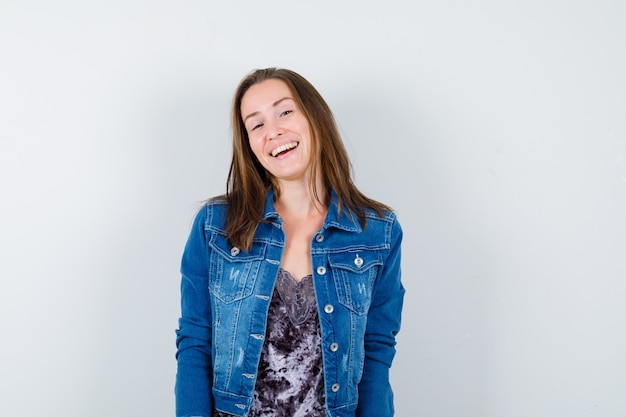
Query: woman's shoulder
point(212, 211)
point(385, 214)
point(386, 219)
point(218, 200)
point(376, 210)
point(213, 203)
point(383, 220)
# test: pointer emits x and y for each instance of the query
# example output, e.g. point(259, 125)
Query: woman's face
point(279, 133)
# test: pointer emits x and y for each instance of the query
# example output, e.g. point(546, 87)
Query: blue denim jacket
point(226, 292)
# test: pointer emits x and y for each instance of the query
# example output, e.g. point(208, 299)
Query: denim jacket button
point(319, 238)
point(334, 347)
point(328, 308)
point(321, 270)
point(358, 261)
point(234, 251)
point(334, 388)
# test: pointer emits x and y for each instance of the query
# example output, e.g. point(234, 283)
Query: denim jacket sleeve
point(193, 341)
point(383, 324)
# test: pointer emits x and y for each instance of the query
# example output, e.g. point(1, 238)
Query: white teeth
point(283, 148)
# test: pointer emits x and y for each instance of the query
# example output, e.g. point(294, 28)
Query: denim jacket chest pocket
point(354, 274)
point(233, 271)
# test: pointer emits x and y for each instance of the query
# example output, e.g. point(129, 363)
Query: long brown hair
point(248, 182)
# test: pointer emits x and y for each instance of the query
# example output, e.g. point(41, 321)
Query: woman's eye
point(286, 112)
point(255, 127)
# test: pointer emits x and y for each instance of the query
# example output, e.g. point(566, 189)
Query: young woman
point(291, 294)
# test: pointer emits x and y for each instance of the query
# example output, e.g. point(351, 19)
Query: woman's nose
point(274, 130)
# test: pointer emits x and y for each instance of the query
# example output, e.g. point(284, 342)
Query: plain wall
point(496, 130)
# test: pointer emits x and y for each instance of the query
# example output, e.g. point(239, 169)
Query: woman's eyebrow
point(276, 103)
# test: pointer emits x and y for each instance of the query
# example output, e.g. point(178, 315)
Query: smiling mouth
point(284, 148)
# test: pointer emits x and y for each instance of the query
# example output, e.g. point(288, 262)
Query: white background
point(495, 128)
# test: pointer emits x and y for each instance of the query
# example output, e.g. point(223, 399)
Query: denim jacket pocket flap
point(233, 271)
point(221, 245)
point(357, 262)
point(354, 274)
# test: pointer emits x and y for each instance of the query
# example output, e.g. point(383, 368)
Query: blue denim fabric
point(226, 292)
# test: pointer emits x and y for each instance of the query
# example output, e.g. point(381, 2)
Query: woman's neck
point(296, 200)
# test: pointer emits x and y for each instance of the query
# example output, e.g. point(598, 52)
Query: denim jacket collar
point(345, 220)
